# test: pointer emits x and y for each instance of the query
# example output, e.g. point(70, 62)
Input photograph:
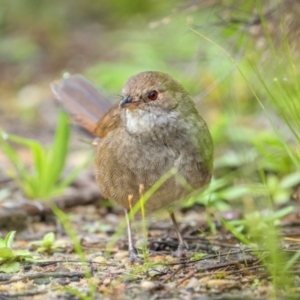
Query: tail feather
point(85, 104)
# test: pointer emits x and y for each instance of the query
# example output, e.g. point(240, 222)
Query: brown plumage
point(153, 130)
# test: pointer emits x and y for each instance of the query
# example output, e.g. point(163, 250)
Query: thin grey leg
point(182, 245)
point(133, 256)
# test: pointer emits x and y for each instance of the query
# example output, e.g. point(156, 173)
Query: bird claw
point(134, 258)
point(181, 252)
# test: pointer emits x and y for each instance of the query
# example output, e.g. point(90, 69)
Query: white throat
point(139, 121)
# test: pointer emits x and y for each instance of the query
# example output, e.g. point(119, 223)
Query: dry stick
point(248, 269)
point(208, 268)
point(188, 276)
point(22, 294)
point(173, 274)
point(52, 262)
point(45, 275)
point(210, 257)
point(205, 274)
point(218, 266)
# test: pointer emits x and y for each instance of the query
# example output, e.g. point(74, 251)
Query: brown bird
point(153, 131)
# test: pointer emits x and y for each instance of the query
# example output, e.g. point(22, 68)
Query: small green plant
point(197, 255)
point(9, 259)
point(48, 244)
point(260, 232)
point(43, 180)
point(255, 282)
point(258, 222)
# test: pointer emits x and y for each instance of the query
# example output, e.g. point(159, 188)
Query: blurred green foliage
point(237, 58)
point(10, 259)
point(124, 37)
point(48, 244)
point(43, 181)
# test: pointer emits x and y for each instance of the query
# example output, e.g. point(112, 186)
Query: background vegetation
point(237, 58)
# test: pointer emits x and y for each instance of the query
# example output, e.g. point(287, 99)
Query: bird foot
point(181, 252)
point(134, 258)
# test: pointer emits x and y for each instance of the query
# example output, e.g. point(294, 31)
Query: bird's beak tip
point(127, 99)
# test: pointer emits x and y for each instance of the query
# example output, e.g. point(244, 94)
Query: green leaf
point(2, 243)
point(57, 156)
point(48, 239)
point(290, 181)
point(198, 255)
point(9, 239)
point(23, 255)
point(6, 254)
point(27, 181)
point(11, 154)
point(276, 215)
point(235, 192)
point(10, 267)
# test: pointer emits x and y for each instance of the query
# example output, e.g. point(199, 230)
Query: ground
point(217, 265)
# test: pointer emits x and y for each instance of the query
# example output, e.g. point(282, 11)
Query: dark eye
point(153, 95)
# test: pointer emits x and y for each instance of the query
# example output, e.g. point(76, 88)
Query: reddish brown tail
point(85, 104)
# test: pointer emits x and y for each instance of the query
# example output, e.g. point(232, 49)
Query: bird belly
point(130, 172)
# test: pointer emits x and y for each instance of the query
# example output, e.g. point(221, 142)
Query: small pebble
point(106, 281)
point(158, 258)
point(147, 285)
point(121, 254)
point(100, 259)
point(63, 281)
point(74, 278)
point(193, 283)
point(41, 281)
point(156, 271)
point(19, 286)
point(220, 283)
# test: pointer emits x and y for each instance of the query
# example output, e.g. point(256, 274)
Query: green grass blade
point(39, 175)
point(12, 154)
point(57, 155)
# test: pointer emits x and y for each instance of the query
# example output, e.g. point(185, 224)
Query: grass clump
point(43, 180)
point(10, 259)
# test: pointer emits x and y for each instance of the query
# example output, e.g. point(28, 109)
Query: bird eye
point(153, 95)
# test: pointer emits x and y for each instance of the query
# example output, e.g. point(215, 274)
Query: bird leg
point(182, 245)
point(133, 255)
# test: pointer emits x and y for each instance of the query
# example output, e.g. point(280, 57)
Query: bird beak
point(126, 100)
